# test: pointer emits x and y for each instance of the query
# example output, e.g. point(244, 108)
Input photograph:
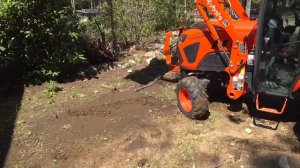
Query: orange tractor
point(255, 56)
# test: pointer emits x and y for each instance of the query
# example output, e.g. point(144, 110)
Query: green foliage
point(185, 149)
point(170, 14)
point(40, 35)
point(52, 89)
point(82, 4)
point(40, 38)
point(128, 21)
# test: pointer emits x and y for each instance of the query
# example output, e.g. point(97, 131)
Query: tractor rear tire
point(192, 97)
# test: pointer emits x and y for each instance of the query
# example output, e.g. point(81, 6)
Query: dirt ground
point(91, 124)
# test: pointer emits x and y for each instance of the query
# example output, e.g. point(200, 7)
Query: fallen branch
point(149, 84)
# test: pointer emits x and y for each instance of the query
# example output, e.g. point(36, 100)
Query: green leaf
point(73, 35)
point(2, 48)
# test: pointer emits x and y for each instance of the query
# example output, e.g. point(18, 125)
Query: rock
point(81, 95)
point(150, 54)
point(126, 65)
point(232, 144)
point(248, 130)
point(161, 57)
point(158, 45)
point(111, 67)
point(104, 67)
point(162, 47)
point(149, 60)
point(136, 58)
point(252, 125)
point(132, 48)
point(157, 52)
point(141, 163)
point(129, 71)
point(66, 126)
point(230, 156)
point(175, 33)
point(283, 128)
point(131, 62)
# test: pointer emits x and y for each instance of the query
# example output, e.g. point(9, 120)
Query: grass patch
point(137, 58)
point(185, 150)
point(199, 139)
point(32, 99)
point(21, 131)
point(52, 89)
point(214, 117)
point(118, 81)
point(176, 162)
point(168, 93)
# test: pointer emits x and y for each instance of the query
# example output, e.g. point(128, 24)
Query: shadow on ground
point(262, 119)
point(148, 74)
point(262, 153)
point(85, 71)
point(11, 94)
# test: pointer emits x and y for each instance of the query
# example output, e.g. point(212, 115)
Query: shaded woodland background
point(40, 40)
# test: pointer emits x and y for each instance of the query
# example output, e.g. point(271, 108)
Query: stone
point(81, 95)
point(150, 54)
point(137, 58)
point(66, 126)
point(248, 130)
point(252, 125)
point(131, 62)
point(132, 48)
point(161, 57)
point(142, 163)
point(111, 67)
point(126, 65)
point(148, 60)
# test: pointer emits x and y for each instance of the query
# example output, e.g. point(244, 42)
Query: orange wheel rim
point(185, 100)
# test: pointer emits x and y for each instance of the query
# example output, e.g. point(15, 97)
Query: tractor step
point(268, 124)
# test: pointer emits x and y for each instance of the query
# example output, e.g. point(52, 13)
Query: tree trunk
point(73, 5)
point(113, 26)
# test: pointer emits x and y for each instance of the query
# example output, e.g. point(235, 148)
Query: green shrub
point(40, 36)
point(52, 89)
point(127, 21)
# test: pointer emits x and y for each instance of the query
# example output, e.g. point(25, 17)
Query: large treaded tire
point(195, 90)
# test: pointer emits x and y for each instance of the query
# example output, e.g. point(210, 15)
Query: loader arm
point(239, 51)
point(238, 9)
